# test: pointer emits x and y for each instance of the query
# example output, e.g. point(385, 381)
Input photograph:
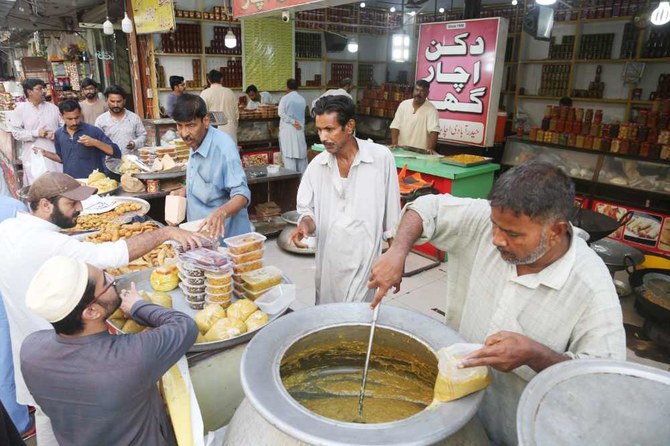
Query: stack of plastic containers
point(246, 253)
point(258, 282)
point(206, 277)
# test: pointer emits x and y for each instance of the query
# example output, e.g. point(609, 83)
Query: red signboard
point(463, 62)
point(244, 8)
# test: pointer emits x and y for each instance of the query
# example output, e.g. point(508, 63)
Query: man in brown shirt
point(92, 106)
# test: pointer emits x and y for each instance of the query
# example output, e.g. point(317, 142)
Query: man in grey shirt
point(99, 388)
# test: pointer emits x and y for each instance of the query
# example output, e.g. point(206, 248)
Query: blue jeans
point(17, 412)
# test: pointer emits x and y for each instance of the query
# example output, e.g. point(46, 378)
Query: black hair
point(423, 84)
point(345, 82)
point(537, 189)
point(292, 84)
point(565, 101)
point(73, 322)
point(29, 84)
point(34, 205)
point(215, 76)
point(340, 104)
point(115, 89)
point(251, 88)
point(69, 105)
point(88, 82)
point(188, 107)
point(175, 80)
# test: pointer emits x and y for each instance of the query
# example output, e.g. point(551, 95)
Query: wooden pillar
point(135, 75)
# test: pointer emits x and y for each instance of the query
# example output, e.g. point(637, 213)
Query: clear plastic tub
point(198, 289)
point(190, 280)
point(190, 269)
point(196, 302)
point(241, 268)
point(219, 289)
point(247, 256)
point(239, 287)
point(214, 279)
point(205, 259)
point(253, 295)
point(276, 298)
point(244, 243)
point(195, 297)
point(220, 299)
point(262, 279)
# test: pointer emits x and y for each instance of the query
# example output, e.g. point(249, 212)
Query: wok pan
point(598, 225)
point(646, 281)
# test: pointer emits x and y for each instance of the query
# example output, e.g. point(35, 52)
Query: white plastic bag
point(37, 164)
point(452, 382)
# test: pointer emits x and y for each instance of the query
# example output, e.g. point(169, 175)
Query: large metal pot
point(291, 218)
point(269, 415)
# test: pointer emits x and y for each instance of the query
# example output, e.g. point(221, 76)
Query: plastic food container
point(198, 289)
point(262, 279)
point(244, 243)
point(219, 289)
point(190, 269)
point(253, 295)
point(247, 257)
point(272, 168)
point(195, 301)
point(249, 266)
point(191, 280)
point(219, 298)
point(214, 279)
point(276, 298)
point(239, 287)
point(205, 259)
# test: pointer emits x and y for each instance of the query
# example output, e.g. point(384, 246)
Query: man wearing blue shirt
point(216, 184)
point(80, 147)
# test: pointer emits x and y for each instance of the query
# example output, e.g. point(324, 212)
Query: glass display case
point(157, 129)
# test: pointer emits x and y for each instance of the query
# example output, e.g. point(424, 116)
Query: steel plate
point(142, 282)
point(113, 165)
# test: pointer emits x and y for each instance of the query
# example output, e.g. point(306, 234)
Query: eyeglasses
point(111, 283)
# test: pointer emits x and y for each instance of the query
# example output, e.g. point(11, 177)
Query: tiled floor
point(423, 292)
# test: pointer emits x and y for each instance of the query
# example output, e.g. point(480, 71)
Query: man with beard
point(34, 123)
point(216, 184)
point(80, 147)
point(520, 281)
point(349, 196)
point(416, 123)
point(29, 240)
point(122, 126)
point(92, 106)
point(98, 388)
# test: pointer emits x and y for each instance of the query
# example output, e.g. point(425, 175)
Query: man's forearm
point(545, 357)
point(432, 141)
point(234, 205)
point(394, 136)
point(143, 243)
point(52, 156)
point(106, 148)
point(409, 231)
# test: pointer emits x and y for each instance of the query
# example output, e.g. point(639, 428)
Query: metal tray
point(113, 165)
point(142, 282)
point(446, 160)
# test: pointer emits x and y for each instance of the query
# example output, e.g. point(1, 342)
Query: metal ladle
point(361, 396)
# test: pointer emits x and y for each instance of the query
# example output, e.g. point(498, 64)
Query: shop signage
point(153, 16)
point(245, 8)
point(463, 62)
point(649, 231)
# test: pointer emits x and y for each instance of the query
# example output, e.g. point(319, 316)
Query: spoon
point(375, 314)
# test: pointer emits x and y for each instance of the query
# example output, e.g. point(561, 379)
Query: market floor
point(424, 292)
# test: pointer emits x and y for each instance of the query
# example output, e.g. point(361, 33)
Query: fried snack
point(112, 232)
point(96, 221)
point(257, 319)
point(242, 309)
point(156, 257)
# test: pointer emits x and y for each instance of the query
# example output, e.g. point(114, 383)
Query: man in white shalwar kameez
point(349, 197)
point(292, 128)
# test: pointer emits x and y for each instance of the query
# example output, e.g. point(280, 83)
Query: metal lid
point(596, 402)
point(613, 252)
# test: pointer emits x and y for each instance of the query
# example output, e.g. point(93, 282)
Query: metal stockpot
point(269, 415)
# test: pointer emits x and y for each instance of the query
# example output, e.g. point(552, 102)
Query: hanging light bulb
point(545, 2)
point(661, 14)
point(362, 5)
point(392, 9)
point(126, 24)
point(515, 2)
point(107, 27)
point(230, 41)
point(352, 46)
point(441, 10)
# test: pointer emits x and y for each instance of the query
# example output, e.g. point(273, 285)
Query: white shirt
point(122, 131)
point(291, 140)
point(26, 242)
point(352, 218)
point(415, 127)
point(571, 306)
point(266, 99)
point(222, 99)
point(333, 92)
